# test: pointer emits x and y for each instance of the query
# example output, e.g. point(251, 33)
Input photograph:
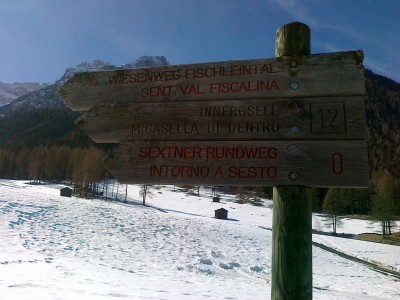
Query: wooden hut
point(221, 213)
point(66, 192)
point(216, 199)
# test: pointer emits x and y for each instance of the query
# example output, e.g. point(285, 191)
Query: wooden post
point(291, 229)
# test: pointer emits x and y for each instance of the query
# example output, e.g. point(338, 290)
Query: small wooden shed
point(221, 213)
point(216, 199)
point(66, 192)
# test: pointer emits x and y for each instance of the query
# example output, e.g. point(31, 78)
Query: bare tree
point(333, 206)
point(383, 201)
point(242, 194)
point(145, 191)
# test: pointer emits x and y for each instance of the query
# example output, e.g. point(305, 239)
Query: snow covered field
point(54, 247)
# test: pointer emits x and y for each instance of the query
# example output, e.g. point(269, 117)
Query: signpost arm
point(292, 229)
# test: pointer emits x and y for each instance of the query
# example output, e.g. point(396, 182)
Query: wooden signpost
point(291, 274)
point(304, 76)
point(317, 118)
point(267, 163)
point(291, 122)
point(283, 100)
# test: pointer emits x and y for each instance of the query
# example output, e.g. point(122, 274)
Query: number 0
point(337, 163)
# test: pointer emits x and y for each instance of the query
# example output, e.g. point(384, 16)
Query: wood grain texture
point(339, 74)
point(291, 223)
point(293, 39)
point(323, 118)
point(292, 244)
point(271, 163)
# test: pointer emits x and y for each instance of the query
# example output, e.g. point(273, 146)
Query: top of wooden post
point(293, 39)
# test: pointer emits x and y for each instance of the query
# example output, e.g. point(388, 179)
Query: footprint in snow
point(257, 269)
point(229, 266)
point(206, 261)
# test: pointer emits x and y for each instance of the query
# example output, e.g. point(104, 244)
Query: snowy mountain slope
point(11, 91)
point(48, 97)
point(71, 248)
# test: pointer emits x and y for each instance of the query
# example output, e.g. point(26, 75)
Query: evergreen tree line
point(381, 201)
point(79, 166)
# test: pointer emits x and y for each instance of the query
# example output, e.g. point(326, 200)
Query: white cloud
point(297, 9)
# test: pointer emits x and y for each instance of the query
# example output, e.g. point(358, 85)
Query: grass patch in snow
point(393, 239)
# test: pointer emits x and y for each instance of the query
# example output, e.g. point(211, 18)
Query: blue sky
point(39, 39)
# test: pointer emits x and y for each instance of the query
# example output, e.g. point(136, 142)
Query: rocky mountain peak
point(11, 91)
point(40, 96)
point(150, 61)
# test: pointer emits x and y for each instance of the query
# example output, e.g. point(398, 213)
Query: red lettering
point(144, 92)
point(242, 152)
point(226, 86)
point(210, 152)
point(124, 79)
point(337, 163)
point(175, 171)
point(272, 172)
point(184, 89)
point(272, 153)
point(142, 152)
point(170, 152)
point(243, 86)
point(218, 172)
point(113, 79)
point(209, 72)
point(179, 171)
point(185, 170)
point(214, 88)
point(200, 73)
point(196, 152)
point(155, 152)
point(234, 87)
point(274, 84)
point(156, 91)
point(267, 69)
point(252, 172)
point(191, 89)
